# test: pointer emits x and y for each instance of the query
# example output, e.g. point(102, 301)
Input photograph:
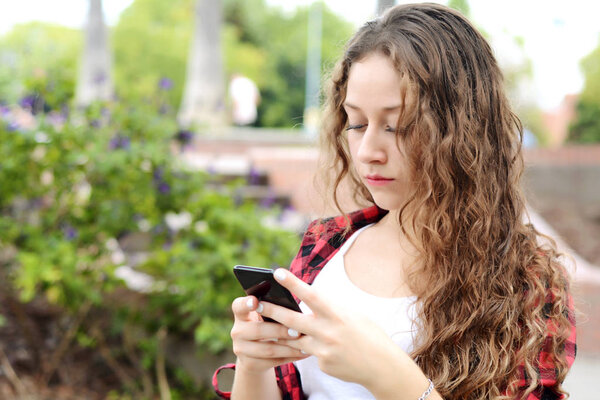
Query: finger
point(258, 330)
point(302, 344)
point(302, 290)
point(298, 323)
point(242, 306)
point(265, 350)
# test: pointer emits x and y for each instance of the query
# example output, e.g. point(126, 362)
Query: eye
point(355, 127)
point(390, 129)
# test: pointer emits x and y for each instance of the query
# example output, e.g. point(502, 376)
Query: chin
point(387, 204)
point(393, 199)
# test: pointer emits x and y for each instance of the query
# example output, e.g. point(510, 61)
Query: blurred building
point(557, 121)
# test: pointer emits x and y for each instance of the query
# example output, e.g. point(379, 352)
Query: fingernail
point(249, 303)
point(260, 308)
point(302, 351)
point(293, 332)
point(280, 274)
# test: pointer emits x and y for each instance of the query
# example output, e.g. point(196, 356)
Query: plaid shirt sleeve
point(547, 372)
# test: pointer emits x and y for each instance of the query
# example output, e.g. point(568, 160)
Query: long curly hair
point(484, 274)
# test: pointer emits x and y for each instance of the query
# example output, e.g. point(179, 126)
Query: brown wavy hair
point(486, 276)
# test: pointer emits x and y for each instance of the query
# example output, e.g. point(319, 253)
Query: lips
point(377, 180)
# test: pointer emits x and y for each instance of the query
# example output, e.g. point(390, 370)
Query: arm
point(257, 352)
point(251, 384)
point(398, 373)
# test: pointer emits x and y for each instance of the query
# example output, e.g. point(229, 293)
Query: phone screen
point(259, 282)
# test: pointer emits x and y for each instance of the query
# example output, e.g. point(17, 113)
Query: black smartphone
point(259, 282)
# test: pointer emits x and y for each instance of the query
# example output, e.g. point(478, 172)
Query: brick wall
point(566, 174)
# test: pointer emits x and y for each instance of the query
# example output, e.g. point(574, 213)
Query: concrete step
point(262, 195)
point(253, 177)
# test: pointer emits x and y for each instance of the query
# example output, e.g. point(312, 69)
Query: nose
point(372, 148)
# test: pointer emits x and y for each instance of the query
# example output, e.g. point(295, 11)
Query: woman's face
point(373, 104)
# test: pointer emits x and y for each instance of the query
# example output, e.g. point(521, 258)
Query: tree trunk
point(383, 5)
point(95, 79)
point(204, 92)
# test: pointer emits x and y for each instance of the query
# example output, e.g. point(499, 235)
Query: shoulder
point(325, 236)
point(325, 228)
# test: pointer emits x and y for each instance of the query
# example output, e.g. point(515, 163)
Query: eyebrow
point(354, 107)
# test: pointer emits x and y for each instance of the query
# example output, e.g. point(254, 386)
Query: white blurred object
point(135, 280)
point(245, 98)
point(179, 221)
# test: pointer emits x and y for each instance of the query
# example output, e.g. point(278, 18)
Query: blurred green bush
point(78, 192)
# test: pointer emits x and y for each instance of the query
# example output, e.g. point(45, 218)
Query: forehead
point(374, 81)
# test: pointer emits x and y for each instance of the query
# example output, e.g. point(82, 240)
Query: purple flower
point(165, 84)
point(69, 232)
point(27, 102)
point(4, 111)
point(119, 142)
point(184, 136)
point(253, 176)
point(269, 200)
point(12, 126)
point(157, 175)
point(164, 188)
point(56, 119)
point(159, 181)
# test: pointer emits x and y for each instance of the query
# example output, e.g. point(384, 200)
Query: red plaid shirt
point(321, 241)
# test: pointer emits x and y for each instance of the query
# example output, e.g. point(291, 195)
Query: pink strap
point(215, 381)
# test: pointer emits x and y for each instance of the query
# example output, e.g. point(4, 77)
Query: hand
point(258, 344)
point(347, 346)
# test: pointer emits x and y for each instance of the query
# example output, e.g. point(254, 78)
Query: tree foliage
point(151, 44)
point(461, 5)
point(152, 40)
point(586, 127)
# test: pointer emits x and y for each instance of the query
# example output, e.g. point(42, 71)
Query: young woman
point(438, 290)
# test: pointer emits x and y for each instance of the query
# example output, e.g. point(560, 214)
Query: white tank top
point(394, 315)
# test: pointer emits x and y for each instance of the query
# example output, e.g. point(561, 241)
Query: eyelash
point(360, 126)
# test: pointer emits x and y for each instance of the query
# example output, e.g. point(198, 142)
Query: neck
point(400, 242)
point(392, 222)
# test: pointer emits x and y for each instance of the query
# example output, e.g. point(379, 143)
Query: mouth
point(377, 180)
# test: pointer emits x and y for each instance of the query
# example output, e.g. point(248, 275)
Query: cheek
point(352, 148)
point(353, 140)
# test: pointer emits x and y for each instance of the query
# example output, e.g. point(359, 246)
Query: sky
point(556, 33)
